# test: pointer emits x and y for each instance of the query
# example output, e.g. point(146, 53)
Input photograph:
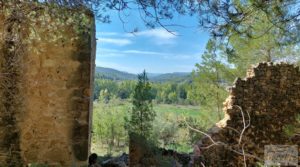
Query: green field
point(187, 111)
point(110, 137)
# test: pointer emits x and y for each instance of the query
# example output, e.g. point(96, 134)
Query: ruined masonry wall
point(52, 86)
point(271, 95)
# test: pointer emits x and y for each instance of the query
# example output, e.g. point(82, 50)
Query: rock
point(180, 158)
point(121, 161)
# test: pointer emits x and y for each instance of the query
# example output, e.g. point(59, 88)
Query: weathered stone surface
point(46, 77)
point(270, 94)
point(141, 152)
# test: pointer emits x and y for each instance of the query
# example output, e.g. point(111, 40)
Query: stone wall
point(46, 77)
point(270, 94)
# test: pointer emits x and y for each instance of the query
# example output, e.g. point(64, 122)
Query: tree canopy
point(221, 18)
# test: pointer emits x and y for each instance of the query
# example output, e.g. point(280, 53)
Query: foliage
point(142, 114)
point(222, 18)
point(108, 126)
point(230, 57)
point(293, 129)
point(122, 90)
point(211, 78)
point(104, 96)
point(166, 88)
point(197, 124)
point(177, 77)
point(168, 128)
point(264, 46)
point(165, 129)
point(168, 92)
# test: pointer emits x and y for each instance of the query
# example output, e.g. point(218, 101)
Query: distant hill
point(151, 75)
point(109, 73)
point(113, 74)
point(176, 77)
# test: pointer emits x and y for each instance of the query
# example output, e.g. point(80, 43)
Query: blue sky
point(155, 50)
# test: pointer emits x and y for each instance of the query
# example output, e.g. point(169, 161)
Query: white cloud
point(160, 36)
point(115, 41)
point(121, 53)
point(105, 52)
point(159, 33)
point(100, 34)
point(143, 52)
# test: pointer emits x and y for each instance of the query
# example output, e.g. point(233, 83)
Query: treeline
point(166, 92)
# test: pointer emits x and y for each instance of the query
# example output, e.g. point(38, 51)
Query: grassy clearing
point(204, 115)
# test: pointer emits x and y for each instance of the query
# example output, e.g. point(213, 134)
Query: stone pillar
point(47, 57)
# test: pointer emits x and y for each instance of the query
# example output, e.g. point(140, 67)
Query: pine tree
point(211, 77)
point(142, 113)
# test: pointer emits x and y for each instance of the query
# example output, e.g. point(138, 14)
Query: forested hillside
point(171, 77)
point(166, 88)
point(113, 74)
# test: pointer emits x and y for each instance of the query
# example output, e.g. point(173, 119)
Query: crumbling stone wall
point(270, 94)
point(46, 76)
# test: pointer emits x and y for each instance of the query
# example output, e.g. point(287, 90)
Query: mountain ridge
point(114, 74)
